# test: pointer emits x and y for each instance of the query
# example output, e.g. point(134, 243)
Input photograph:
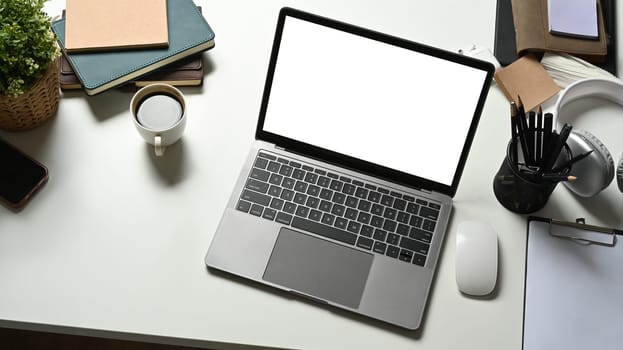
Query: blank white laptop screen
point(370, 100)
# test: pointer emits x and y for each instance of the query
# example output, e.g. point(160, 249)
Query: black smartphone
point(20, 176)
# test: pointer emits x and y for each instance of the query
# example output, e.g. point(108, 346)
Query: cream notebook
point(107, 25)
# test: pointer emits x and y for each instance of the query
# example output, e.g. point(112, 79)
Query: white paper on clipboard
point(573, 290)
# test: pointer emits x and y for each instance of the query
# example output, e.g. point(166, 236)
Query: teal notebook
point(189, 33)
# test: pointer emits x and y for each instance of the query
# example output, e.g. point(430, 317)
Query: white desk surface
point(114, 243)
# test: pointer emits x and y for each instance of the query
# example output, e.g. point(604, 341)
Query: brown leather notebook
point(186, 72)
point(107, 25)
point(532, 33)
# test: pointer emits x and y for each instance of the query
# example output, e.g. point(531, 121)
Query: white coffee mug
point(159, 114)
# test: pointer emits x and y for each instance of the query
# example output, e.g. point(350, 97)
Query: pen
point(571, 161)
point(514, 150)
point(531, 136)
point(557, 148)
point(522, 129)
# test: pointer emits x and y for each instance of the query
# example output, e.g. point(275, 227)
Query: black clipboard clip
point(581, 225)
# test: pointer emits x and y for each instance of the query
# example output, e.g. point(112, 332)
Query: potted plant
point(29, 87)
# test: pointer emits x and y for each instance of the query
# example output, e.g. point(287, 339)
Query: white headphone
point(596, 171)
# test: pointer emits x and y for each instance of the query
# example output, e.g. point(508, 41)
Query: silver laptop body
point(346, 194)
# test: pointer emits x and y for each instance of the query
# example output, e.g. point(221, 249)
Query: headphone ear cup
point(620, 173)
point(594, 172)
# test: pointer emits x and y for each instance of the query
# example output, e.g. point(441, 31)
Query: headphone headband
point(608, 89)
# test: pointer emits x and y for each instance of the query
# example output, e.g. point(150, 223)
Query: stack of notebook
point(148, 41)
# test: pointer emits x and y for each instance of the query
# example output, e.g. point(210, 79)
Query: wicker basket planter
point(33, 107)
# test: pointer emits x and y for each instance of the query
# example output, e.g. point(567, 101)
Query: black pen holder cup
point(520, 193)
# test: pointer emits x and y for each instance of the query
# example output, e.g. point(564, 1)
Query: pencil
point(557, 177)
point(539, 137)
point(514, 150)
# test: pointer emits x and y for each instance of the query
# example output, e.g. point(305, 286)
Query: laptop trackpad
point(319, 268)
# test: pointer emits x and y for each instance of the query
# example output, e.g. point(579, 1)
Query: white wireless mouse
point(476, 258)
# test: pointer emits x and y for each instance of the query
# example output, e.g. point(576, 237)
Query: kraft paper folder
point(574, 286)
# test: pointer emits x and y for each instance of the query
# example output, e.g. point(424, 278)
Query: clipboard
point(573, 286)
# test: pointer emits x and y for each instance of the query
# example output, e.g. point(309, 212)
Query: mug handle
point(158, 147)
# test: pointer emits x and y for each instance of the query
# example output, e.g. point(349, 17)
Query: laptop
point(347, 191)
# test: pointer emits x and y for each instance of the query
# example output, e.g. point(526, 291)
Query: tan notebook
point(105, 25)
point(526, 77)
point(532, 34)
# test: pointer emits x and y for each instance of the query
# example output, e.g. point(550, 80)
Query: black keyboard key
point(258, 186)
point(405, 255)
point(376, 221)
point(275, 179)
point(288, 183)
point(380, 235)
point(389, 225)
point(374, 196)
point(333, 175)
point(348, 189)
point(408, 198)
point(338, 198)
point(324, 181)
point(298, 174)
point(389, 213)
point(300, 198)
point(357, 183)
point(421, 235)
point(364, 205)
point(370, 187)
point(351, 214)
point(286, 170)
point(320, 171)
point(283, 218)
point(307, 168)
point(267, 156)
point(302, 211)
point(315, 215)
point(387, 200)
point(346, 179)
point(287, 195)
point(323, 230)
point(403, 217)
point(326, 194)
point(336, 185)
point(283, 160)
point(269, 214)
point(396, 194)
point(274, 191)
point(353, 227)
point(366, 230)
point(311, 178)
point(429, 213)
point(341, 223)
point(361, 193)
point(413, 208)
point(352, 201)
point(289, 207)
point(325, 206)
point(414, 245)
point(255, 197)
point(377, 209)
point(273, 167)
point(402, 229)
point(392, 251)
point(365, 243)
point(261, 163)
point(328, 219)
point(301, 186)
point(312, 202)
point(243, 206)
point(419, 259)
point(295, 164)
point(276, 203)
point(364, 218)
point(400, 204)
point(421, 202)
point(379, 247)
point(256, 210)
point(416, 221)
point(434, 206)
point(393, 238)
point(383, 190)
point(429, 225)
point(338, 210)
point(313, 190)
point(259, 174)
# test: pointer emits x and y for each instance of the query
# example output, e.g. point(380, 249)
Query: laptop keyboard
point(341, 208)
